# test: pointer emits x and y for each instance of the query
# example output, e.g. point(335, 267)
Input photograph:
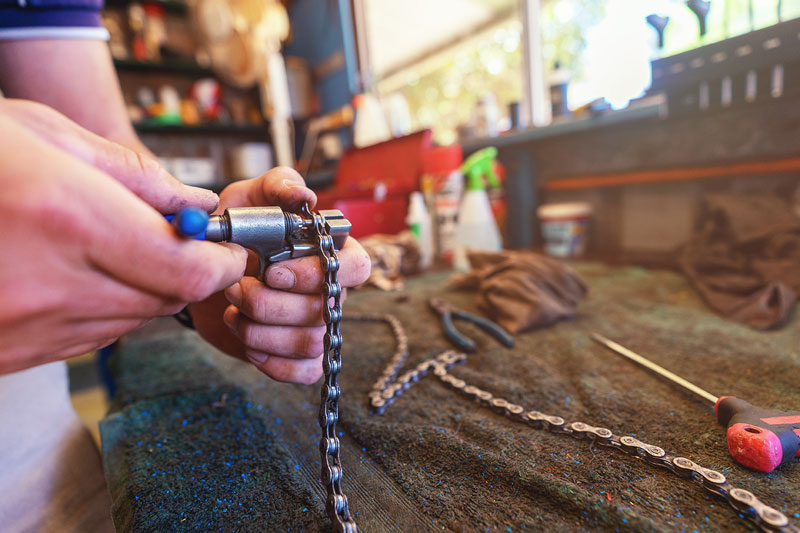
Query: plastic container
point(419, 222)
point(250, 160)
point(564, 228)
point(443, 184)
point(370, 126)
point(477, 228)
point(559, 82)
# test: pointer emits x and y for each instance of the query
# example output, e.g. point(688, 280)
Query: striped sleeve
point(51, 19)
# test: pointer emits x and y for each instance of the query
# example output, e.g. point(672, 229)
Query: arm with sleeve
point(54, 52)
point(51, 19)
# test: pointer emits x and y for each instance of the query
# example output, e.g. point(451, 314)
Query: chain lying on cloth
point(390, 386)
point(331, 393)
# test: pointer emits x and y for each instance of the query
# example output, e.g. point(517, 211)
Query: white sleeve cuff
point(54, 32)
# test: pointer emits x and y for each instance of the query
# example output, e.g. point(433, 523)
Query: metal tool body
point(391, 386)
point(274, 234)
point(447, 311)
point(761, 439)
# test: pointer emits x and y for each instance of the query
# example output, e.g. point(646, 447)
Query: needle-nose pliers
point(447, 311)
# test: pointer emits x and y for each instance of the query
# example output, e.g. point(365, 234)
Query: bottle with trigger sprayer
point(477, 228)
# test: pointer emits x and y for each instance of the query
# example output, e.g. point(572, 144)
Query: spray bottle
point(477, 228)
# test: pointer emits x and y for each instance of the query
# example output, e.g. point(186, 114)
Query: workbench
point(196, 440)
point(645, 172)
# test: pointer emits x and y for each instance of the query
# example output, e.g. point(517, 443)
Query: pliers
point(447, 311)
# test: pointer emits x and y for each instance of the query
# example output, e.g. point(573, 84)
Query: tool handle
point(190, 222)
point(495, 330)
point(761, 439)
point(464, 343)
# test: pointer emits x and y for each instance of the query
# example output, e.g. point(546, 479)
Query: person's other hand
point(276, 325)
point(137, 170)
point(84, 259)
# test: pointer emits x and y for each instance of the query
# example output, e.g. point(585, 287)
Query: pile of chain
point(331, 393)
point(389, 387)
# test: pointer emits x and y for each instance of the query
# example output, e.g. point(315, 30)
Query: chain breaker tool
point(390, 386)
point(277, 235)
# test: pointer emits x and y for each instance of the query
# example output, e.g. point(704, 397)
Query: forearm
point(76, 77)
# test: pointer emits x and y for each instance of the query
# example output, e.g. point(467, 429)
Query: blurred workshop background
point(582, 128)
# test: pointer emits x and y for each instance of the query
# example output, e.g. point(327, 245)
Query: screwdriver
point(760, 439)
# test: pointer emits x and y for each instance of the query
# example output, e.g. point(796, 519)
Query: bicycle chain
point(331, 393)
point(389, 387)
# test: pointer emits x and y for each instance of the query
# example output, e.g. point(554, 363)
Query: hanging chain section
point(331, 393)
point(390, 386)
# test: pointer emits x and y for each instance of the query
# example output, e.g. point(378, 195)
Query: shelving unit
point(183, 67)
point(175, 7)
point(181, 144)
point(203, 129)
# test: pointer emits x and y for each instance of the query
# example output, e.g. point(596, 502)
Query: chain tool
point(277, 235)
point(389, 387)
point(331, 393)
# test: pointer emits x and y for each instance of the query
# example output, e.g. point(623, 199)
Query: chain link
point(331, 393)
point(390, 386)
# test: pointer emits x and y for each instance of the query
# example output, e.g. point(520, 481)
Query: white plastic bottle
point(445, 205)
point(370, 126)
point(420, 225)
point(477, 228)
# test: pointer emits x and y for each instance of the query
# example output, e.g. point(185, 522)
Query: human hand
point(84, 259)
point(137, 170)
point(276, 325)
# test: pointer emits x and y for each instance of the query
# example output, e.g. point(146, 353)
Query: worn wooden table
point(198, 441)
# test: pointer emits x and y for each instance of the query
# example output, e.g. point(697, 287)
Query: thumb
point(139, 172)
point(281, 186)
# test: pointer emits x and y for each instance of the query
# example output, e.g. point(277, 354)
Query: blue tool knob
point(190, 222)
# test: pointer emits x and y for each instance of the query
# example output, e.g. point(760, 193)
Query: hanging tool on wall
point(700, 8)
point(761, 439)
point(338, 118)
point(659, 23)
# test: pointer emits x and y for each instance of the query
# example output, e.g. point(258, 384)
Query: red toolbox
point(372, 184)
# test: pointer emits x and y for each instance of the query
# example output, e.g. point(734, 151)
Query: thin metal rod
point(535, 101)
point(608, 343)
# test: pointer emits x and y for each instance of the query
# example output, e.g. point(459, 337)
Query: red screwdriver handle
point(760, 439)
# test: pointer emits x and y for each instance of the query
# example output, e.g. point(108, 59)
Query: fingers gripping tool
point(272, 233)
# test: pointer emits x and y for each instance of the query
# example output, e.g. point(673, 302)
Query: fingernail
point(210, 199)
point(291, 185)
point(229, 318)
point(257, 358)
point(234, 294)
point(279, 277)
